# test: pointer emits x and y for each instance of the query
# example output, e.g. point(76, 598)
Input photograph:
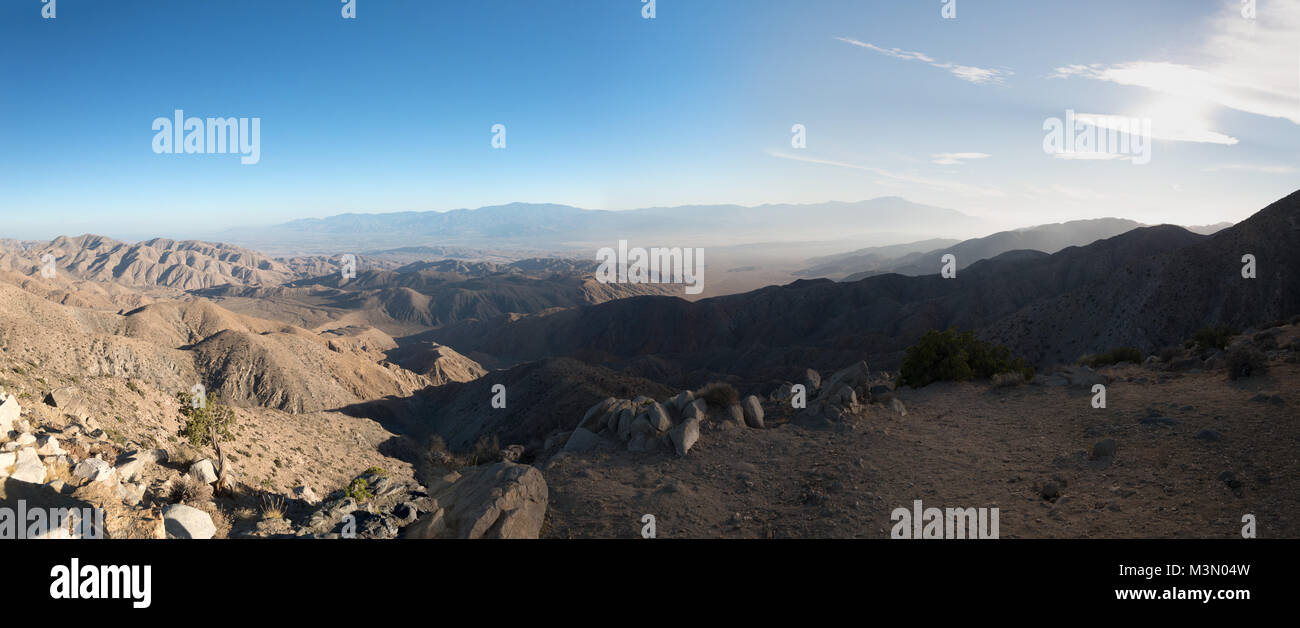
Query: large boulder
point(658, 417)
point(203, 471)
point(69, 401)
point(187, 522)
point(9, 412)
point(685, 435)
point(49, 446)
point(594, 418)
point(582, 440)
point(500, 501)
point(678, 404)
point(28, 467)
point(697, 409)
point(736, 414)
point(753, 411)
point(853, 376)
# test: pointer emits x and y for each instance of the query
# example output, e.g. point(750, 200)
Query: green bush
point(1214, 336)
point(1115, 356)
point(359, 490)
point(957, 356)
point(202, 424)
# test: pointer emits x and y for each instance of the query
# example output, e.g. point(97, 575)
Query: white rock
point(306, 494)
point(203, 471)
point(93, 470)
point(29, 467)
point(49, 446)
point(7, 459)
point(25, 439)
point(9, 411)
point(187, 522)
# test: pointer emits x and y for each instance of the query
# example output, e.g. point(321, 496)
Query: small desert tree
point(207, 423)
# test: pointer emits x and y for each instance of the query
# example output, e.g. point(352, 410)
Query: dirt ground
point(969, 445)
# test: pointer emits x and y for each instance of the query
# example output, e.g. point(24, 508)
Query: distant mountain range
point(924, 257)
point(540, 227)
point(1148, 288)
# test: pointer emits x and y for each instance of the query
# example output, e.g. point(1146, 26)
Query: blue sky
point(603, 109)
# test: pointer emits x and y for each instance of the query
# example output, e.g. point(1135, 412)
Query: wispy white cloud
point(964, 72)
point(1167, 123)
point(898, 177)
point(1245, 65)
point(954, 159)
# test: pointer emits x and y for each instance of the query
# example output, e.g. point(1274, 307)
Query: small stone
point(1104, 449)
point(93, 470)
point(897, 405)
point(187, 522)
point(306, 494)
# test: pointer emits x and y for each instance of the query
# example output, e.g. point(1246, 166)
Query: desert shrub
point(957, 356)
point(1007, 380)
point(437, 446)
point(1213, 336)
point(209, 425)
point(130, 385)
point(1115, 356)
point(273, 507)
point(377, 471)
point(190, 491)
point(487, 449)
point(201, 424)
point(359, 490)
point(720, 394)
point(1246, 361)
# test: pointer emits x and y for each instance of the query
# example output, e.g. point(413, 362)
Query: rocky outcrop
point(500, 501)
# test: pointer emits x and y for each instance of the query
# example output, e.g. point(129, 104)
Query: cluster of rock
point(843, 394)
point(43, 456)
point(646, 425)
point(498, 501)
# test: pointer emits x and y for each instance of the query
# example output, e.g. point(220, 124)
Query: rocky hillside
point(1043, 238)
point(419, 296)
point(769, 332)
point(185, 265)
